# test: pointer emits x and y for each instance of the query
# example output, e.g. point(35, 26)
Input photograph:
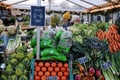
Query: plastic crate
point(70, 76)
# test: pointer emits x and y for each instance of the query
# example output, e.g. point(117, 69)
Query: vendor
point(75, 19)
point(66, 20)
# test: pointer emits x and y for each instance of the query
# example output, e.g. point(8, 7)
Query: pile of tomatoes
point(44, 69)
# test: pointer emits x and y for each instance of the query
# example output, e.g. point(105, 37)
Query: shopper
point(75, 19)
point(66, 20)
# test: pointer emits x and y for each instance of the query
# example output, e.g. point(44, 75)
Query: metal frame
point(19, 2)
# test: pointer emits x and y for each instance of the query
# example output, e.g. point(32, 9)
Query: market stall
point(78, 52)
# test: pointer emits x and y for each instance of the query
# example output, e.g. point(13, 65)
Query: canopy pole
point(38, 35)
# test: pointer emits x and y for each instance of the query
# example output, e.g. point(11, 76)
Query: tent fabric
point(88, 4)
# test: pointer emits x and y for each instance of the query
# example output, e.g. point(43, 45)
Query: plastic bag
point(66, 34)
point(48, 34)
point(64, 45)
point(49, 52)
point(33, 42)
point(59, 32)
point(59, 58)
point(46, 43)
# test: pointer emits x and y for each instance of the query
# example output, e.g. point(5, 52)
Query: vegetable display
point(18, 64)
point(44, 69)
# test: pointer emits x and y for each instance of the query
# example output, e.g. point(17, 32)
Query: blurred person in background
point(66, 20)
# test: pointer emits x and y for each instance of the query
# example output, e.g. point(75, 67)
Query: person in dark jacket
point(66, 20)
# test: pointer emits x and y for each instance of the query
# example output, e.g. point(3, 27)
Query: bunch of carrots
point(112, 36)
point(44, 69)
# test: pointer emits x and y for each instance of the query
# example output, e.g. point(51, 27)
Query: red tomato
point(40, 73)
point(37, 77)
point(53, 73)
point(66, 65)
point(37, 68)
point(35, 64)
point(57, 69)
point(60, 65)
point(50, 69)
point(53, 64)
point(66, 74)
point(44, 69)
point(35, 73)
point(63, 69)
point(47, 64)
point(43, 78)
point(41, 64)
point(63, 78)
point(60, 74)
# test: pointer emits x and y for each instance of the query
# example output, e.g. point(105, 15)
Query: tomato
point(67, 69)
point(44, 69)
point(66, 73)
point(40, 73)
point(35, 64)
point(50, 69)
point(60, 74)
point(37, 78)
point(63, 78)
point(53, 64)
point(41, 64)
point(63, 69)
point(60, 64)
point(37, 68)
point(57, 69)
point(47, 73)
point(53, 73)
point(66, 65)
point(43, 78)
point(35, 73)
point(47, 64)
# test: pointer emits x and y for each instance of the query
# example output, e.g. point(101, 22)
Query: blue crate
point(32, 69)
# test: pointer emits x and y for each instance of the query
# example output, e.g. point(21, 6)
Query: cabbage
point(2, 28)
point(11, 30)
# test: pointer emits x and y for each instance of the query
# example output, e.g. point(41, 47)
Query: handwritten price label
point(83, 60)
point(52, 78)
point(106, 65)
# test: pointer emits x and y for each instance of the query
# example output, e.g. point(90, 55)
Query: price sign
point(52, 78)
point(37, 16)
point(83, 60)
point(106, 65)
point(25, 38)
point(2, 47)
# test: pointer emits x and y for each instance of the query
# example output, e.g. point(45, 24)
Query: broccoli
point(23, 77)
point(18, 72)
point(20, 66)
point(13, 55)
point(14, 77)
point(19, 55)
point(13, 61)
point(30, 55)
point(26, 61)
point(4, 77)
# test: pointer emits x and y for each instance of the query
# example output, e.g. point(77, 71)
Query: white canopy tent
point(82, 4)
